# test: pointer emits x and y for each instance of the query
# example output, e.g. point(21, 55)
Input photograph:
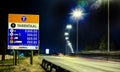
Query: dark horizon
point(54, 16)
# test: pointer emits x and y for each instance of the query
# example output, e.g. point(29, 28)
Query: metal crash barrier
point(50, 67)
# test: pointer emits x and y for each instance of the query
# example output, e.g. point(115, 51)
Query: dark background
point(54, 16)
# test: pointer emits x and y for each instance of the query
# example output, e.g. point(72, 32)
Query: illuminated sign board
point(23, 31)
point(47, 51)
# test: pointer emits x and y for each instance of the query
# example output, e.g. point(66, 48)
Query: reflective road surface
point(77, 64)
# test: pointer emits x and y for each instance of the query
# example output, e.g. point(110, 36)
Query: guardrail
point(50, 67)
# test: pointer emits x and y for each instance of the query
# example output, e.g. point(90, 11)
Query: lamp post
point(77, 13)
point(66, 43)
point(108, 45)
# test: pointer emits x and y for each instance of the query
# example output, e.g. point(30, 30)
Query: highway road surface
point(77, 64)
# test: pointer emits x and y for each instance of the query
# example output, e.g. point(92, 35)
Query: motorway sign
point(23, 31)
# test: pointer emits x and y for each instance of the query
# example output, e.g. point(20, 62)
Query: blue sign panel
point(23, 33)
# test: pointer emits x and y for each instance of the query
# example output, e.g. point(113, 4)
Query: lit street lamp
point(77, 13)
point(66, 33)
point(68, 27)
point(70, 46)
point(68, 41)
point(66, 38)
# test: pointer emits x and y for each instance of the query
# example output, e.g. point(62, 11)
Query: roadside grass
point(7, 65)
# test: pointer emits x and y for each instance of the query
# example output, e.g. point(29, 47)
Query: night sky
point(55, 15)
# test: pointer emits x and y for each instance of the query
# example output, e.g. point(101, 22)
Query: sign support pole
point(31, 57)
point(15, 57)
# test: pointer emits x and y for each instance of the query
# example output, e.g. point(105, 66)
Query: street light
point(69, 26)
point(77, 13)
point(66, 33)
point(68, 41)
point(70, 46)
point(66, 38)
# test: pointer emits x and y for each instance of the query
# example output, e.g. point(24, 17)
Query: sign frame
point(21, 23)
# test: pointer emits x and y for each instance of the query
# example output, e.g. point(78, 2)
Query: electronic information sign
point(23, 31)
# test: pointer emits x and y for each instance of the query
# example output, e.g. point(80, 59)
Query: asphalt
point(77, 64)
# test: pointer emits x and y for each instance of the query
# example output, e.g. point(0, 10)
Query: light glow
point(69, 26)
point(66, 38)
point(77, 13)
point(66, 33)
point(70, 46)
point(47, 51)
